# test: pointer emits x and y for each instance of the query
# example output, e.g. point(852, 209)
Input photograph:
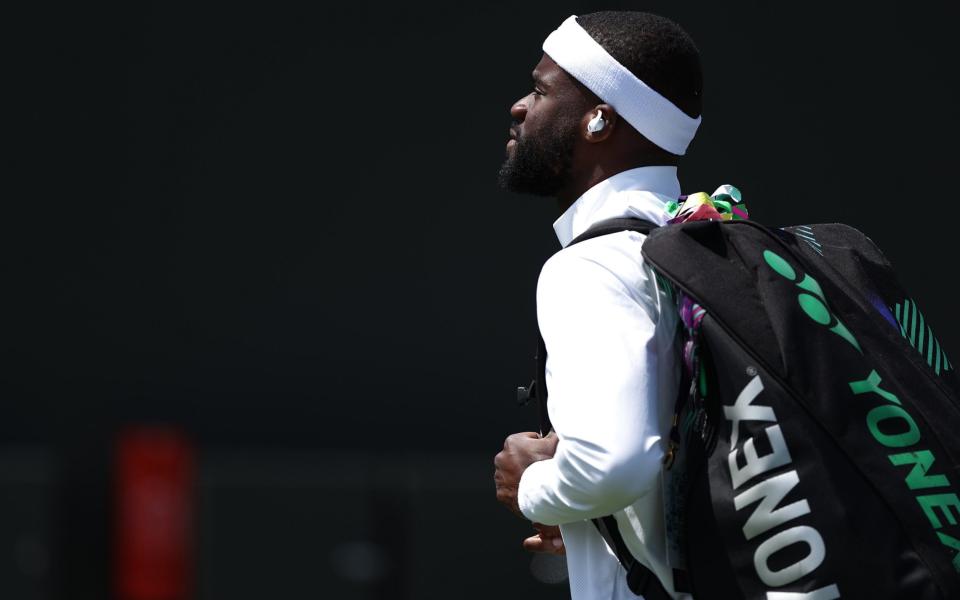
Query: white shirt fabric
point(612, 374)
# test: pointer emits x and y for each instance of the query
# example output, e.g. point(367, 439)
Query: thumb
point(552, 440)
point(540, 544)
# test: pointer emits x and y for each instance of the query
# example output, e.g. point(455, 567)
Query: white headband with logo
point(658, 119)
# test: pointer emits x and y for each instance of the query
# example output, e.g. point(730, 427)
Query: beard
point(541, 165)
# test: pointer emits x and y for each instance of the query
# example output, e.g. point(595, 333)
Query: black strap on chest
point(640, 579)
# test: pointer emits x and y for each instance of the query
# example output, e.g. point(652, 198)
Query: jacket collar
point(642, 192)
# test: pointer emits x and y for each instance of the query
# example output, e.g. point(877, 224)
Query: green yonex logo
point(889, 422)
point(899, 432)
point(811, 299)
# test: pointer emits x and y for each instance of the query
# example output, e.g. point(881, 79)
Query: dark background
point(276, 229)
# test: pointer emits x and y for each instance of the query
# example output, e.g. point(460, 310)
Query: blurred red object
point(154, 514)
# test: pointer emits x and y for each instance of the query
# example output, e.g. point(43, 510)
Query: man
point(616, 99)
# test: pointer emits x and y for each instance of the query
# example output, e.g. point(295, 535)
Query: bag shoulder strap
point(616, 225)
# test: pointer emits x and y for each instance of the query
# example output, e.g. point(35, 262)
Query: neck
point(588, 178)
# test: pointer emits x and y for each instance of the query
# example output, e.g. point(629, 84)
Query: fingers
point(520, 450)
point(515, 437)
point(530, 443)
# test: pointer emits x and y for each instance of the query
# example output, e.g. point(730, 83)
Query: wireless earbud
point(597, 123)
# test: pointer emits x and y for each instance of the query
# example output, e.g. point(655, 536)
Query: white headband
point(658, 119)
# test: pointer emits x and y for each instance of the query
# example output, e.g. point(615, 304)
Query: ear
point(609, 117)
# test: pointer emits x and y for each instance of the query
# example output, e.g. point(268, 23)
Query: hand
point(546, 540)
point(520, 450)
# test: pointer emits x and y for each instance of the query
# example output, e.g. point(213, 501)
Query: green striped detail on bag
point(920, 335)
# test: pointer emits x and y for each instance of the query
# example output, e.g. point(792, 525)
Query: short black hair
point(655, 49)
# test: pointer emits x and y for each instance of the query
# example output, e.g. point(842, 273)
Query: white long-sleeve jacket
point(612, 376)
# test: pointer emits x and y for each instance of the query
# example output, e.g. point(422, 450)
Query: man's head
point(554, 153)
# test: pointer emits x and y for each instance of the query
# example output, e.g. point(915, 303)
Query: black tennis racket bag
point(818, 447)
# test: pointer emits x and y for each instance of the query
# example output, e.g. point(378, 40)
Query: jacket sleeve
point(600, 330)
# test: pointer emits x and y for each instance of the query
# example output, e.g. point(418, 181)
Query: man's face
point(544, 133)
